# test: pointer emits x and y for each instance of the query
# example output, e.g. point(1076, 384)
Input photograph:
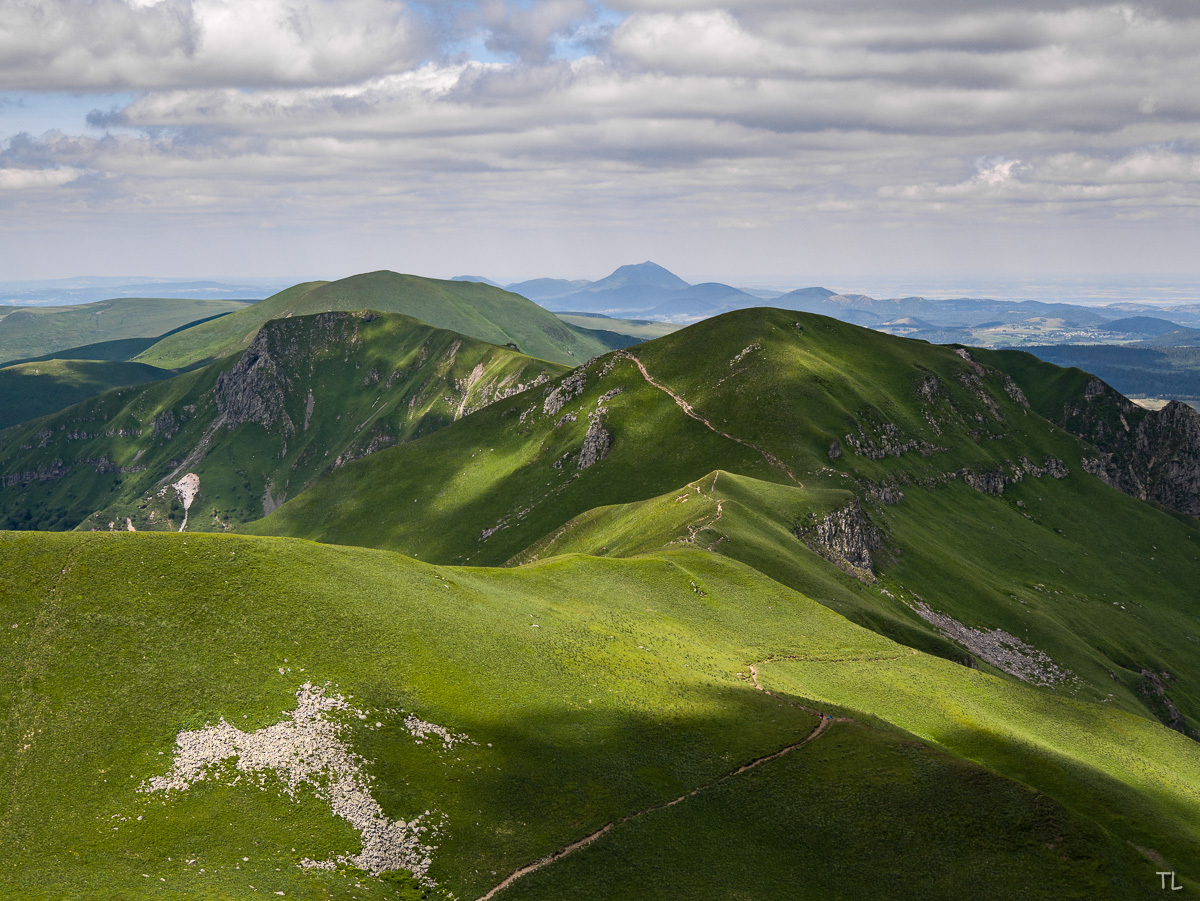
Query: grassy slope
point(30, 390)
point(36, 331)
point(1046, 571)
point(793, 397)
point(1064, 572)
point(373, 379)
point(470, 308)
point(626, 695)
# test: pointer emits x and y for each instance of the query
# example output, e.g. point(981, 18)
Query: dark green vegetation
point(1167, 372)
point(30, 390)
point(308, 395)
point(31, 332)
point(590, 689)
point(470, 308)
point(610, 564)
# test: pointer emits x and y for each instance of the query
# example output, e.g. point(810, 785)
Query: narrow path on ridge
point(700, 525)
point(688, 409)
point(588, 839)
point(825, 722)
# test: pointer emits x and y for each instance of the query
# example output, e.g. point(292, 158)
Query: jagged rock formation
point(595, 443)
point(255, 390)
point(598, 439)
point(1151, 455)
point(570, 388)
point(846, 535)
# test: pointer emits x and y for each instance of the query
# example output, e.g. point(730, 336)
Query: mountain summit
point(640, 275)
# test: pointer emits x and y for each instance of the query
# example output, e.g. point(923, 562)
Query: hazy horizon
point(1148, 289)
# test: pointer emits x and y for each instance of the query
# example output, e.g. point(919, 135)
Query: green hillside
point(28, 332)
point(570, 695)
point(234, 439)
point(958, 520)
point(30, 390)
point(770, 607)
point(470, 308)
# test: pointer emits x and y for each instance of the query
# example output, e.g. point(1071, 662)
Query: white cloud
point(102, 44)
point(26, 179)
point(688, 115)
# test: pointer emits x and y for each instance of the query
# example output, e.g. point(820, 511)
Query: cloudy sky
point(788, 141)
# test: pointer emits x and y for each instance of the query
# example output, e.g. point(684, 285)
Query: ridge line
point(690, 411)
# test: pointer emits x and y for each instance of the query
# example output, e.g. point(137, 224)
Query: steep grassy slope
point(775, 400)
point(905, 486)
point(1152, 455)
point(37, 331)
point(30, 390)
point(577, 692)
point(470, 308)
point(1039, 564)
point(308, 395)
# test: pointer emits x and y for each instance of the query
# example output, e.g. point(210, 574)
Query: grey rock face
point(164, 425)
point(570, 387)
point(596, 442)
point(255, 389)
point(1151, 455)
point(848, 535)
point(1155, 691)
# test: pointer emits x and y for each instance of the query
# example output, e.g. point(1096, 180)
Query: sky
point(789, 142)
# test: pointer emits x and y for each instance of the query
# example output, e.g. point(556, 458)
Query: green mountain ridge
point(308, 395)
point(477, 310)
point(838, 453)
point(31, 390)
point(773, 606)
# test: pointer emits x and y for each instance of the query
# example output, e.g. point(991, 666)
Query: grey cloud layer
point(746, 113)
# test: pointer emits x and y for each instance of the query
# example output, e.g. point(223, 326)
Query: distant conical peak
point(642, 274)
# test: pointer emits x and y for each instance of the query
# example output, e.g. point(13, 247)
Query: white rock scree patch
point(309, 749)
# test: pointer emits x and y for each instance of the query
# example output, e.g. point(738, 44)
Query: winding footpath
point(690, 411)
point(558, 855)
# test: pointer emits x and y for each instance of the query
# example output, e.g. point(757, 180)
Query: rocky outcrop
point(886, 440)
point(846, 535)
point(255, 389)
point(50, 473)
point(570, 387)
point(596, 442)
point(1151, 455)
point(164, 425)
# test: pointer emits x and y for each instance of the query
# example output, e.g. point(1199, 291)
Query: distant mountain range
point(648, 291)
point(89, 289)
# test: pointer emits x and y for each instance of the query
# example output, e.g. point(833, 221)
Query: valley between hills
point(402, 588)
